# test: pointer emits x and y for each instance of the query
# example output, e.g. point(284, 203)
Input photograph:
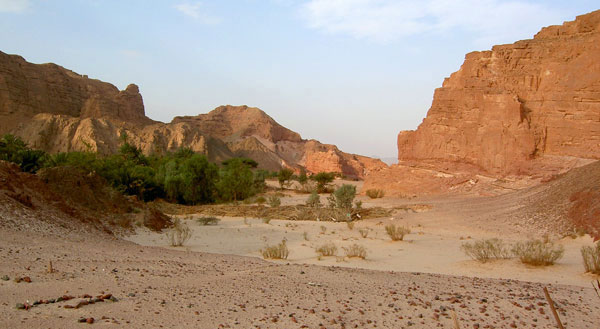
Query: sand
point(219, 280)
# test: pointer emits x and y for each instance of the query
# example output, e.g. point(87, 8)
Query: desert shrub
point(305, 235)
point(323, 179)
point(364, 232)
point(260, 200)
point(284, 177)
point(537, 252)
point(303, 213)
point(375, 193)
point(208, 220)
point(314, 200)
point(396, 233)
point(274, 201)
point(302, 178)
point(591, 258)
point(485, 250)
point(179, 234)
point(343, 197)
point(328, 249)
point(279, 251)
point(356, 250)
point(266, 220)
point(350, 225)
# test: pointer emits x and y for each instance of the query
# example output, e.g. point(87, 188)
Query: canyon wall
point(57, 110)
point(519, 102)
point(527, 110)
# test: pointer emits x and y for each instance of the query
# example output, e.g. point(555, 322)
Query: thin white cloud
point(14, 6)
point(196, 11)
point(389, 20)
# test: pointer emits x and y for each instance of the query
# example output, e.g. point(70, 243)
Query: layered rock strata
point(57, 110)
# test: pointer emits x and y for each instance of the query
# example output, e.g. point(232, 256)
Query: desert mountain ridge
point(522, 111)
point(58, 110)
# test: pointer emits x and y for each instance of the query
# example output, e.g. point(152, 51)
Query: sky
point(347, 72)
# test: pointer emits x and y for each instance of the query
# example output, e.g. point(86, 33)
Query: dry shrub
point(279, 251)
point(364, 232)
point(266, 220)
point(537, 252)
point(350, 225)
point(328, 249)
point(356, 250)
point(274, 201)
point(397, 233)
point(375, 193)
point(591, 258)
point(484, 250)
point(208, 220)
point(179, 234)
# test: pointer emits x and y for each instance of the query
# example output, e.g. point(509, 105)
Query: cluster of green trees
point(183, 176)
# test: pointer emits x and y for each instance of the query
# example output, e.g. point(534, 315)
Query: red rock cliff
point(535, 99)
point(58, 110)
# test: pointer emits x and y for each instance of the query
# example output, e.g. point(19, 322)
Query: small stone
point(82, 320)
point(27, 279)
point(89, 320)
point(131, 294)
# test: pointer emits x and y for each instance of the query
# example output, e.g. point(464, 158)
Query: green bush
point(591, 258)
point(375, 193)
point(284, 177)
point(485, 250)
point(343, 197)
point(323, 179)
point(314, 200)
point(537, 252)
point(13, 149)
point(396, 233)
point(236, 180)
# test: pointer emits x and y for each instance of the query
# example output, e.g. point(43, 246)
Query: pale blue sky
point(346, 72)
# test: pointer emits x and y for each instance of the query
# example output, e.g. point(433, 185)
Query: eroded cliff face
point(510, 117)
point(531, 100)
point(58, 110)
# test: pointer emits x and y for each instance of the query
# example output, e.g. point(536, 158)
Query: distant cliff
point(57, 110)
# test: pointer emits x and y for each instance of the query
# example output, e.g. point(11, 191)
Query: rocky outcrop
point(531, 108)
point(518, 102)
point(58, 110)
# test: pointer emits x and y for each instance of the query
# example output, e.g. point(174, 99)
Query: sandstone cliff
point(57, 110)
point(531, 108)
point(518, 102)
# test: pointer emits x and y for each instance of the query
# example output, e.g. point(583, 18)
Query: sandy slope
point(181, 288)
point(158, 287)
